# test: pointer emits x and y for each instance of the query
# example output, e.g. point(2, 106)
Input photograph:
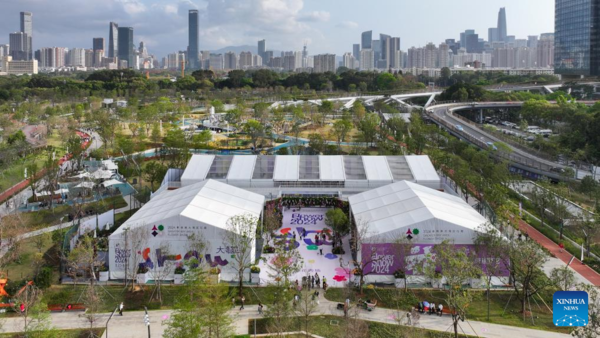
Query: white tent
point(84, 174)
point(173, 215)
point(102, 174)
point(85, 185)
point(393, 209)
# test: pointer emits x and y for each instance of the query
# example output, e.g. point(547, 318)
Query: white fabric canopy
point(287, 168)
point(331, 168)
point(422, 169)
point(110, 183)
point(87, 185)
point(390, 211)
point(241, 167)
point(110, 165)
point(197, 169)
point(377, 168)
point(82, 175)
point(102, 174)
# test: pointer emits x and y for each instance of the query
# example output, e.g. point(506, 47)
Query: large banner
point(385, 259)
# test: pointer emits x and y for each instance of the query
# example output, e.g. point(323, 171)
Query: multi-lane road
point(444, 115)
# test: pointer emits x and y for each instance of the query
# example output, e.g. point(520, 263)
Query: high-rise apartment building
point(76, 57)
point(356, 51)
point(98, 46)
point(257, 61)
point(532, 41)
point(216, 61)
point(502, 31)
point(267, 58)
point(367, 40)
point(230, 61)
point(545, 51)
point(443, 55)
point(245, 60)
point(415, 58)
point(383, 38)
point(493, 34)
point(367, 59)
point(113, 40)
point(126, 47)
point(430, 56)
point(27, 28)
point(19, 46)
point(324, 63)
point(193, 40)
point(392, 47)
point(262, 48)
point(348, 60)
point(577, 38)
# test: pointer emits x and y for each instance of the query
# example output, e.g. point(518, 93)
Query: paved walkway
point(584, 270)
point(131, 324)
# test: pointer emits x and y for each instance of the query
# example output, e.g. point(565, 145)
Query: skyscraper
point(392, 46)
point(27, 28)
point(98, 45)
point(193, 60)
point(19, 44)
point(366, 40)
point(113, 40)
point(356, 51)
point(502, 24)
point(262, 48)
point(492, 34)
point(577, 38)
point(383, 38)
point(126, 47)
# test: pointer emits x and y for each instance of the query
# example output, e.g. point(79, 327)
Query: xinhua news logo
point(570, 308)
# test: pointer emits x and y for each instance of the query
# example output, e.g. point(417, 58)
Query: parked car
point(492, 145)
point(459, 127)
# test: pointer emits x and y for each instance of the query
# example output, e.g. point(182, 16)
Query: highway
point(443, 114)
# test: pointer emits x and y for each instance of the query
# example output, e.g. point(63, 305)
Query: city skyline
point(285, 26)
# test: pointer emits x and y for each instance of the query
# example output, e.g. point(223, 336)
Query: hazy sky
point(327, 25)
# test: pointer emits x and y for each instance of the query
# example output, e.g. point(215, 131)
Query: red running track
point(584, 270)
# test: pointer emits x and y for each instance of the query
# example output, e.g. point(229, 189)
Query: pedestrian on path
point(562, 247)
point(243, 299)
point(121, 309)
point(321, 251)
point(526, 236)
point(233, 302)
point(260, 308)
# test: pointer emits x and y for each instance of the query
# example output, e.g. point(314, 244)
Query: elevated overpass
point(444, 115)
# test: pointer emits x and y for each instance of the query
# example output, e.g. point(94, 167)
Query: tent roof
point(198, 167)
point(331, 168)
point(377, 169)
point(111, 183)
point(110, 165)
point(404, 204)
point(422, 168)
point(242, 167)
point(287, 168)
point(209, 202)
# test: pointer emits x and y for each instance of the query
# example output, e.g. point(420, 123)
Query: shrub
point(142, 268)
point(214, 271)
point(268, 249)
point(254, 269)
point(44, 278)
point(338, 250)
point(179, 270)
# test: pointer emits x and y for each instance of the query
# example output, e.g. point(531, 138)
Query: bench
point(66, 307)
point(445, 310)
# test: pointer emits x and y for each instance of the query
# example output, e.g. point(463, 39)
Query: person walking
point(260, 308)
point(562, 247)
point(121, 309)
point(243, 299)
point(440, 309)
point(233, 302)
point(321, 251)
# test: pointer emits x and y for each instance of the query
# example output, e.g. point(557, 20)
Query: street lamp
point(109, 318)
point(147, 320)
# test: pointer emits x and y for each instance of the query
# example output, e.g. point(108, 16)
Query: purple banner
point(385, 259)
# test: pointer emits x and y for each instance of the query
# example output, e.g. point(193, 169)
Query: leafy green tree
point(458, 267)
point(154, 171)
point(175, 138)
point(255, 131)
point(386, 81)
point(316, 142)
point(368, 127)
point(340, 130)
point(337, 220)
point(241, 235)
point(200, 139)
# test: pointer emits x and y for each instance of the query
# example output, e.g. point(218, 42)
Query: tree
point(526, 259)
point(31, 171)
point(134, 242)
point(84, 257)
point(490, 246)
point(337, 220)
point(240, 238)
point(306, 308)
point(592, 329)
point(35, 314)
point(155, 136)
point(160, 269)
point(41, 240)
point(340, 130)
point(255, 130)
point(369, 126)
point(542, 199)
point(154, 171)
point(563, 278)
point(458, 266)
point(316, 142)
point(92, 301)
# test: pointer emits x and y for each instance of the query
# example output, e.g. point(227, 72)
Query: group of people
point(310, 282)
point(430, 308)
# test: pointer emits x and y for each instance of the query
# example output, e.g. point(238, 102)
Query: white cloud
point(347, 24)
point(133, 7)
point(316, 16)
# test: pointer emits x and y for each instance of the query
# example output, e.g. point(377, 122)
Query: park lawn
point(74, 333)
point(24, 267)
point(332, 327)
point(40, 219)
point(14, 172)
point(394, 298)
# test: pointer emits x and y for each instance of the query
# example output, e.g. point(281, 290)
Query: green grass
point(24, 267)
point(396, 299)
point(75, 333)
point(333, 327)
point(13, 172)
